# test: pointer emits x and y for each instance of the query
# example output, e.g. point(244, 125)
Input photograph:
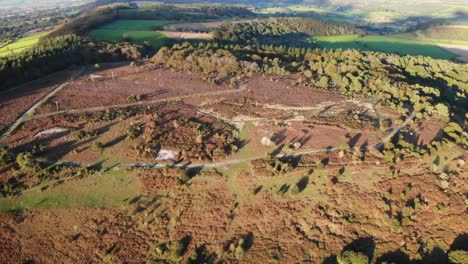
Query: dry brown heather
point(248, 209)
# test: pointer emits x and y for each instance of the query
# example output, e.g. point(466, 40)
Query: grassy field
point(389, 44)
point(106, 190)
point(21, 44)
point(138, 31)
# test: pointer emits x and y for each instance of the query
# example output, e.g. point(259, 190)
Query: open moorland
point(225, 172)
point(196, 133)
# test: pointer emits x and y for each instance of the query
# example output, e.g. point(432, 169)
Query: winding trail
point(25, 115)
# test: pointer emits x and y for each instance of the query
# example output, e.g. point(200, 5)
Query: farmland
point(135, 31)
point(389, 44)
point(21, 44)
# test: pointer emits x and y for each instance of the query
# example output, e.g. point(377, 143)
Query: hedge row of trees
point(420, 84)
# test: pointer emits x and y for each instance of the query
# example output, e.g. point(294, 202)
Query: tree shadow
point(436, 256)
point(115, 141)
point(98, 165)
point(365, 245)
point(277, 150)
point(258, 189)
point(354, 140)
point(192, 172)
point(460, 243)
point(203, 256)
point(302, 183)
point(397, 256)
point(279, 137)
point(248, 240)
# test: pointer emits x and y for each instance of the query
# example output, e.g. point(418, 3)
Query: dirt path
point(237, 161)
point(31, 110)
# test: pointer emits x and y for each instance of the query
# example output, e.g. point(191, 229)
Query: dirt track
point(460, 50)
point(31, 110)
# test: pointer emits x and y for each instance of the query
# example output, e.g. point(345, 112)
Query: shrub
point(126, 37)
point(97, 147)
point(25, 162)
point(80, 135)
point(239, 252)
point(5, 155)
point(177, 249)
point(351, 257)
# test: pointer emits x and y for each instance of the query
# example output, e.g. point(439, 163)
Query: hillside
point(285, 132)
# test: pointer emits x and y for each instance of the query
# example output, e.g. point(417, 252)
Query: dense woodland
point(421, 85)
point(52, 55)
point(282, 31)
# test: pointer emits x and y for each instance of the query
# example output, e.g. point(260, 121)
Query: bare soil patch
point(460, 50)
point(185, 35)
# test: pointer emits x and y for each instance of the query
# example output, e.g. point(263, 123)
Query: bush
point(97, 147)
point(458, 257)
point(5, 155)
point(177, 249)
point(25, 162)
point(239, 252)
point(351, 257)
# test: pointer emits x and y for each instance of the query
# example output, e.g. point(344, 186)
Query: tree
point(442, 110)
point(323, 82)
point(458, 257)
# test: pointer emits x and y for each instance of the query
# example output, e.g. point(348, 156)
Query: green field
point(98, 190)
point(388, 44)
point(138, 31)
point(21, 44)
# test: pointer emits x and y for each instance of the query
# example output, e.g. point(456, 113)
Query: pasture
point(137, 31)
point(388, 44)
point(21, 44)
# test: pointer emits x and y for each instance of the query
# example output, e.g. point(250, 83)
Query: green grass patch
point(338, 42)
point(387, 44)
point(136, 36)
point(95, 191)
point(21, 44)
point(138, 32)
point(128, 24)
